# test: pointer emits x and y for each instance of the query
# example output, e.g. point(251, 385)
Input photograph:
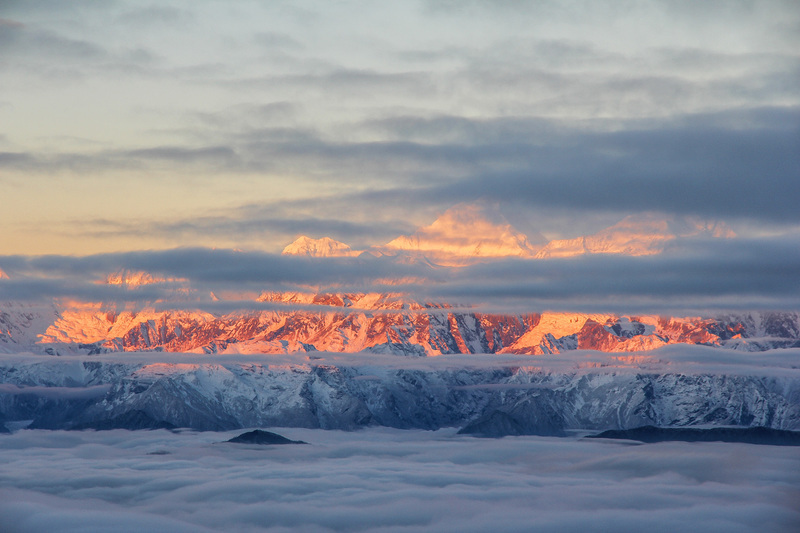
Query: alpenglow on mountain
point(307, 320)
point(373, 322)
point(324, 247)
point(469, 233)
point(522, 373)
point(462, 235)
point(646, 234)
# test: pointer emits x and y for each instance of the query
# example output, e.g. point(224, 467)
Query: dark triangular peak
point(259, 436)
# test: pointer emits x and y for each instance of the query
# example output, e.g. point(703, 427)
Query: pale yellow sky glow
point(206, 124)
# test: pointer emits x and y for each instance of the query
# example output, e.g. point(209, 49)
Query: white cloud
point(390, 480)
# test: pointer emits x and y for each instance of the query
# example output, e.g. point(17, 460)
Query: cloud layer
point(694, 276)
point(390, 480)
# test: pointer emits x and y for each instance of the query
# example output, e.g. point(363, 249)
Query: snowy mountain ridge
point(502, 397)
point(324, 247)
point(376, 322)
point(635, 235)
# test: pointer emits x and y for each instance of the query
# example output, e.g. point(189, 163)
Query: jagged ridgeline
point(379, 323)
point(477, 394)
point(396, 323)
point(489, 400)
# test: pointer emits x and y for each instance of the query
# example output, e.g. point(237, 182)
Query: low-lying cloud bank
point(390, 480)
point(678, 358)
point(69, 393)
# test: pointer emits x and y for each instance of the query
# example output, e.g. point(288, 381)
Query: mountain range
point(382, 323)
point(489, 397)
point(394, 322)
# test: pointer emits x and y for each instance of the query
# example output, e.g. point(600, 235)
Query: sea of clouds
point(389, 480)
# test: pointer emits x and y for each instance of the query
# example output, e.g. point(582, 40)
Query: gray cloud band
point(717, 274)
point(732, 165)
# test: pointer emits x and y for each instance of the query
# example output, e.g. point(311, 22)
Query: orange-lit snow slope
point(324, 247)
point(462, 235)
point(375, 322)
point(636, 235)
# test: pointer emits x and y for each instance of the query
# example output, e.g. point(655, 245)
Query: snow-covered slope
point(80, 392)
point(21, 324)
point(377, 322)
point(393, 323)
point(131, 279)
point(324, 247)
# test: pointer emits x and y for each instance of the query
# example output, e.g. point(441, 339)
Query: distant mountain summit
point(470, 233)
point(464, 234)
point(131, 279)
point(644, 234)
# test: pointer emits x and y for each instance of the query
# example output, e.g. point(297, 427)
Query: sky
point(174, 128)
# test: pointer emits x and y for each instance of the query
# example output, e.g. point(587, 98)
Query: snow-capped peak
point(324, 247)
point(469, 233)
point(642, 234)
point(3, 275)
point(131, 279)
point(134, 279)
